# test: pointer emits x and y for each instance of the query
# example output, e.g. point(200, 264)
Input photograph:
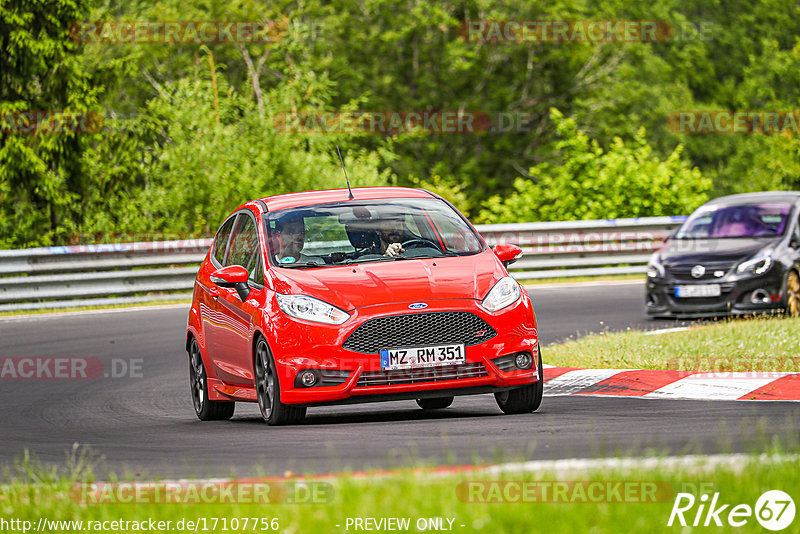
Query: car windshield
point(744, 220)
point(367, 231)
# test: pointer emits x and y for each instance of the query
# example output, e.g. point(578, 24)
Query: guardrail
point(87, 275)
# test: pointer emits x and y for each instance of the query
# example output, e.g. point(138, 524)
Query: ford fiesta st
point(327, 297)
point(734, 255)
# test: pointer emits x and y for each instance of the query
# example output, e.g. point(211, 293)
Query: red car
point(323, 297)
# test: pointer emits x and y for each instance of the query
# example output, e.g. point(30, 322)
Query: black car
point(738, 254)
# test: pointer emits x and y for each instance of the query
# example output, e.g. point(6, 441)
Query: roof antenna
point(345, 172)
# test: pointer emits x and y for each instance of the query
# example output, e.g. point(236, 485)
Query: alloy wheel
point(197, 376)
point(265, 380)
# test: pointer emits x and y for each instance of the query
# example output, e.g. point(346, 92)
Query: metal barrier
point(86, 275)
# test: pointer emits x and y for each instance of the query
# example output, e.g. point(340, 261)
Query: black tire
point(268, 390)
point(526, 399)
point(206, 410)
point(439, 403)
point(791, 294)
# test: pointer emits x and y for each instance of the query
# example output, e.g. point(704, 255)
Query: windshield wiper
point(351, 261)
point(300, 265)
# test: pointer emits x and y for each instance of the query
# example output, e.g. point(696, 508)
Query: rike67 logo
point(774, 510)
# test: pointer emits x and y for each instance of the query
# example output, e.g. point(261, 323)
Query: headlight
point(504, 293)
point(311, 309)
point(758, 264)
point(655, 269)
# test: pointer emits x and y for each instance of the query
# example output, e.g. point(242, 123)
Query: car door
point(233, 344)
point(211, 312)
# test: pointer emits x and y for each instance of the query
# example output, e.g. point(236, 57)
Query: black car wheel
point(526, 399)
point(268, 390)
point(438, 403)
point(792, 294)
point(206, 410)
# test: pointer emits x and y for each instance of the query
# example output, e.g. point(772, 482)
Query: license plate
point(700, 290)
point(412, 358)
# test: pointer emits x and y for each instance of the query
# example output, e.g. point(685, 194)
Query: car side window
point(221, 241)
point(244, 249)
point(257, 273)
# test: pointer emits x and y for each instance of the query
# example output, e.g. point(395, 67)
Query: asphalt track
point(144, 426)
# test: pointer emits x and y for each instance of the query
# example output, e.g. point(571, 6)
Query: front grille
point(425, 374)
point(683, 271)
point(419, 329)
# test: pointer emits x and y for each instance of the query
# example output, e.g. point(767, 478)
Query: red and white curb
point(661, 384)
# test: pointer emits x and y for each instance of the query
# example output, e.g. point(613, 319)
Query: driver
point(292, 234)
point(391, 233)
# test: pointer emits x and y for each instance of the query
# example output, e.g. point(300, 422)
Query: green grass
point(30, 496)
point(757, 344)
point(570, 279)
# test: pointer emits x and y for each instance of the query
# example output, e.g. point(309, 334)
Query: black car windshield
point(367, 231)
point(743, 220)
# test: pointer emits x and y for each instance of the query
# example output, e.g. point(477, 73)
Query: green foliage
point(626, 180)
point(455, 193)
point(207, 153)
point(165, 162)
point(40, 70)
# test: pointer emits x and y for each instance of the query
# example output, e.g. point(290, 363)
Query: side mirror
point(234, 276)
point(507, 253)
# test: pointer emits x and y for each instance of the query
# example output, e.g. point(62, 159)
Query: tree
point(41, 182)
point(625, 180)
point(204, 148)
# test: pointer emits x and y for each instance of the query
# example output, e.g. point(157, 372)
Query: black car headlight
point(758, 264)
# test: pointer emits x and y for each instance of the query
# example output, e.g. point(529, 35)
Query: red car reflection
point(316, 298)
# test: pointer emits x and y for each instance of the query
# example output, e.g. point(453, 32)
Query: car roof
point(307, 198)
point(762, 196)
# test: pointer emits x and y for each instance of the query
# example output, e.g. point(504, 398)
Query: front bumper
point(736, 292)
point(320, 348)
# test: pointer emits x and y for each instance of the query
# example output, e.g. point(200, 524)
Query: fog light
point(523, 360)
point(308, 378)
point(760, 296)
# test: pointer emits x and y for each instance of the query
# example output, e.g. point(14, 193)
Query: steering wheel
point(420, 243)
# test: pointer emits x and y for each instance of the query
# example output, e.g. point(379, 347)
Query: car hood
point(708, 250)
point(415, 280)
